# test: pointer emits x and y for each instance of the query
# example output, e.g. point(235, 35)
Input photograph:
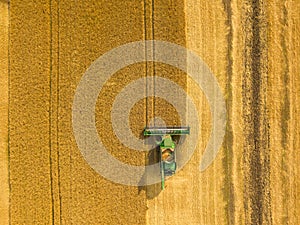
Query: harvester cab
point(167, 148)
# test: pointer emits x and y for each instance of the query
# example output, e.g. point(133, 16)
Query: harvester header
point(151, 131)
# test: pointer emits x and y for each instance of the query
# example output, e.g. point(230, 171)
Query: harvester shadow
point(152, 157)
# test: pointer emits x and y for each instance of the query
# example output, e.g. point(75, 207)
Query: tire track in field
point(256, 124)
point(4, 107)
point(285, 114)
point(229, 197)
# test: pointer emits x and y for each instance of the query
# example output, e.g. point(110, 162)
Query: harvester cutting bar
point(166, 130)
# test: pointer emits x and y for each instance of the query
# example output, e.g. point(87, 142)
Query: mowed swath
point(252, 47)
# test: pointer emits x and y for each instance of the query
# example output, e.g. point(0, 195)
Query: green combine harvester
point(167, 148)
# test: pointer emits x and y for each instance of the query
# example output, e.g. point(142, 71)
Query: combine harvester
point(167, 148)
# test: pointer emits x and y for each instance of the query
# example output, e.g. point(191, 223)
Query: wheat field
point(251, 47)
